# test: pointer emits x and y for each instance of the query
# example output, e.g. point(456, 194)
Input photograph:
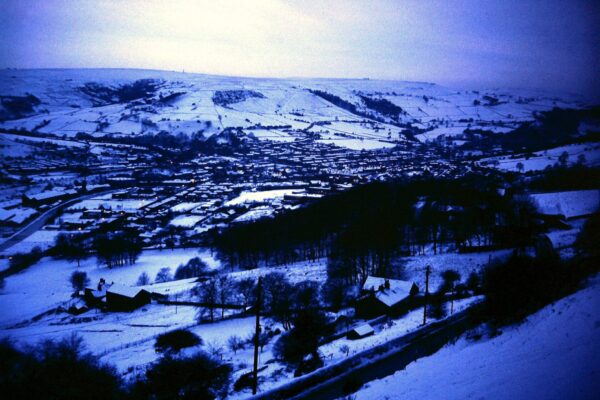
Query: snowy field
point(542, 159)
point(554, 354)
point(282, 103)
point(258, 197)
point(45, 285)
point(44, 239)
point(186, 221)
point(109, 203)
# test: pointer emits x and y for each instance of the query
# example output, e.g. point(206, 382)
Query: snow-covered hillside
point(552, 355)
point(352, 113)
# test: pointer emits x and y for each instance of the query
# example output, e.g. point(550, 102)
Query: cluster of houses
point(136, 173)
point(379, 296)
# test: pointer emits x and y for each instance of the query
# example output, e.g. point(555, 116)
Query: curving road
point(42, 219)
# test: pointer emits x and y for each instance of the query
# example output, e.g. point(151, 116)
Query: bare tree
point(235, 343)
point(224, 292)
point(246, 287)
point(208, 294)
point(143, 279)
point(164, 275)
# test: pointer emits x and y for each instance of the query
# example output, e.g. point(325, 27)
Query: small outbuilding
point(361, 331)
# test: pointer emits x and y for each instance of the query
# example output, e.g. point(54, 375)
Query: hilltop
point(353, 113)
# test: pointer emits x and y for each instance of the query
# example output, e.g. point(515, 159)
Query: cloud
point(551, 44)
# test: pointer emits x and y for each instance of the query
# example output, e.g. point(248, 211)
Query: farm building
point(385, 296)
point(126, 298)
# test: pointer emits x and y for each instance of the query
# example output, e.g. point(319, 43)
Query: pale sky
point(551, 44)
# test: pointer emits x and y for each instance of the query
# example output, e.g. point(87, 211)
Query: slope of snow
point(46, 284)
point(590, 153)
point(570, 204)
point(289, 103)
point(552, 355)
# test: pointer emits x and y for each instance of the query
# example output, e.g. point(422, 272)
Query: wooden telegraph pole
point(452, 300)
point(257, 336)
point(427, 272)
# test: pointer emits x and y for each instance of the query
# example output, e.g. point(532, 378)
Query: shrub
point(58, 370)
point(21, 261)
point(310, 326)
point(474, 282)
point(344, 349)
point(521, 285)
point(589, 237)
point(176, 340)
point(335, 293)
point(199, 376)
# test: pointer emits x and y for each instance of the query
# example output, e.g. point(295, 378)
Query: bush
point(589, 237)
point(474, 282)
point(176, 340)
point(57, 370)
point(196, 377)
point(310, 326)
point(21, 261)
point(521, 285)
point(436, 308)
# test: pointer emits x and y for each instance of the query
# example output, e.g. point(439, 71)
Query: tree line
point(362, 230)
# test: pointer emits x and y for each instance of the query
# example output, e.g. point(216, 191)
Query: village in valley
point(155, 214)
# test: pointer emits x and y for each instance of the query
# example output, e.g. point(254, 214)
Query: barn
point(126, 298)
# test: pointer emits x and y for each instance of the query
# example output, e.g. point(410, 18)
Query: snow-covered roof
point(364, 330)
point(52, 194)
point(571, 204)
point(398, 291)
point(122, 290)
point(22, 215)
point(6, 214)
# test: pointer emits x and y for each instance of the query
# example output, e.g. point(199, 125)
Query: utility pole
point(427, 272)
point(257, 336)
point(452, 300)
